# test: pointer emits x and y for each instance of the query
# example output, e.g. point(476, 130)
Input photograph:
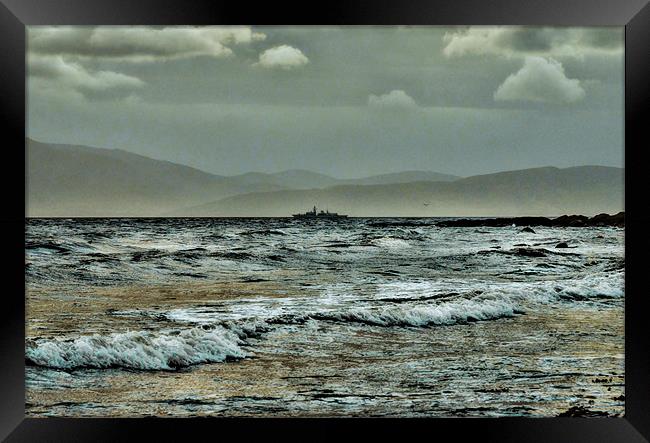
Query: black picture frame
point(633, 14)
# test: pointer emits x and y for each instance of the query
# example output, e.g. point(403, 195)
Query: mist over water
point(361, 316)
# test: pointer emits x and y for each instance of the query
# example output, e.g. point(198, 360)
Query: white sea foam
point(170, 349)
point(391, 243)
point(597, 285)
point(405, 303)
point(442, 314)
point(138, 349)
point(602, 285)
point(592, 287)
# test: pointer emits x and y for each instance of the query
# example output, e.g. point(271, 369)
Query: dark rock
point(581, 411)
point(562, 245)
point(529, 252)
point(528, 229)
point(601, 216)
point(570, 220)
point(608, 220)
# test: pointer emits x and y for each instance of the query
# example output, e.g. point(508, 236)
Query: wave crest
point(443, 314)
point(138, 349)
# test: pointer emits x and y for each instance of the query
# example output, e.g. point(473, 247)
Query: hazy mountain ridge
point(303, 179)
point(538, 191)
point(402, 177)
point(72, 180)
point(291, 179)
point(62, 180)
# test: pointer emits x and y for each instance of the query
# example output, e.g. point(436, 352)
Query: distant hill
point(65, 180)
point(547, 191)
point(291, 179)
point(70, 180)
point(401, 177)
point(302, 179)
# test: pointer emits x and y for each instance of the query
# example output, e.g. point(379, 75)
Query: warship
point(322, 214)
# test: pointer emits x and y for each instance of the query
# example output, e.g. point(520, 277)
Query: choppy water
point(292, 317)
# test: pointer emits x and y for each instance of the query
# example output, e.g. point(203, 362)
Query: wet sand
point(541, 363)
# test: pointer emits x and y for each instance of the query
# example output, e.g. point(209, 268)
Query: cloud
point(393, 99)
point(55, 73)
point(284, 56)
point(138, 43)
point(511, 41)
point(540, 80)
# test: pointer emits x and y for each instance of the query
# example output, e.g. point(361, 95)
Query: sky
point(345, 101)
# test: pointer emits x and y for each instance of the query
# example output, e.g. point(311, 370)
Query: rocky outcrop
point(563, 221)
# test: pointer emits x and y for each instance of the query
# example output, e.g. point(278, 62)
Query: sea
point(281, 317)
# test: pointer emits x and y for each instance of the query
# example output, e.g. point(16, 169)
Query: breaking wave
point(138, 349)
point(607, 285)
point(443, 314)
point(210, 339)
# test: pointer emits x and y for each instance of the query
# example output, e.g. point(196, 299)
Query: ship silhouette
point(322, 214)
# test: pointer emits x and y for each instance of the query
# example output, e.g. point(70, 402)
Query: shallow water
point(398, 317)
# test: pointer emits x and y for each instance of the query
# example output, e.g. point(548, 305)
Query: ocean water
point(355, 317)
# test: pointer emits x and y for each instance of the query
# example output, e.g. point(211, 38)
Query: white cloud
point(56, 73)
point(393, 99)
point(509, 41)
point(138, 43)
point(540, 80)
point(284, 56)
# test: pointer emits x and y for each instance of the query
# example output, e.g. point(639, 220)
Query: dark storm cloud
point(520, 41)
point(55, 52)
point(605, 38)
point(139, 44)
point(528, 39)
point(54, 74)
point(350, 101)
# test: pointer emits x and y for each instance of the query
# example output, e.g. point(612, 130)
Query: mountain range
point(70, 180)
